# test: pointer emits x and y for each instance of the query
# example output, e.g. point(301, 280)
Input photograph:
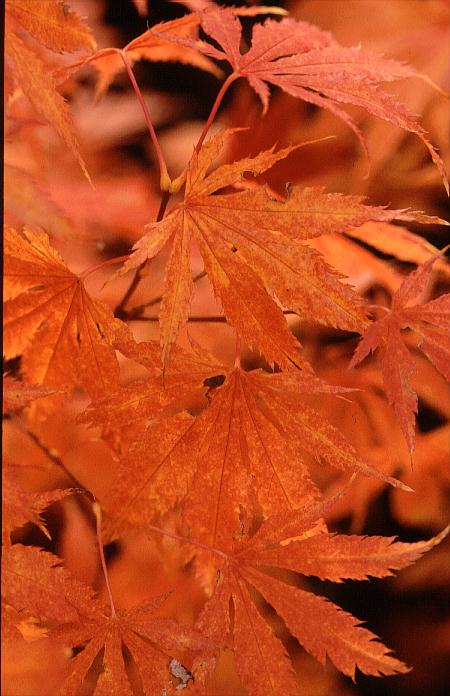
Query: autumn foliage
point(226, 342)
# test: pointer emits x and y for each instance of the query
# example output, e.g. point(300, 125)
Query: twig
point(53, 456)
point(205, 319)
point(136, 312)
point(120, 311)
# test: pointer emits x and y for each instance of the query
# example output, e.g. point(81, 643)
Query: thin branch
point(120, 311)
point(53, 456)
point(197, 319)
point(212, 319)
point(136, 312)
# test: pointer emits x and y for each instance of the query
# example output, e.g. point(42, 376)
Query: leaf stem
point(215, 107)
point(98, 526)
point(164, 176)
point(237, 352)
point(179, 181)
point(108, 262)
point(178, 537)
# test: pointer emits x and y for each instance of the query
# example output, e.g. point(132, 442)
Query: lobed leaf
point(64, 336)
point(430, 321)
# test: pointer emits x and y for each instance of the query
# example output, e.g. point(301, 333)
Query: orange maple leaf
point(243, 452)
point(310, 64)
point(430, 321)
point(20, 506)
point(34, 579)
point(64, 336)
point(294, 541)
point(188, 375)
point(152, 46)
point(150, 641)
point(59, 29)
point(251, 247)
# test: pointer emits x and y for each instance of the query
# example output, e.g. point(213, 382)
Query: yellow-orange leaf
point(64, 336)
point(52, 23)
point(246, 451)
point(430, 321)
point(261, 660)
point(252, 251)
point(152, 46)
point(30, 74)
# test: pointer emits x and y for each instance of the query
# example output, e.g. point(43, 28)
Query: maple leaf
point(252, 251)
point(59, 29)
point(294, 542)
point(152, 46)
point(64, 336)
point(243, 452)
point(20, 506)
point(150, 640)
point(52, 24)
point(187, 376)
point(309, 64)
point(34, 579)
point(430, 321)
point(400, 242)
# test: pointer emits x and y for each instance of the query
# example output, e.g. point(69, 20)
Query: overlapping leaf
point(430, 321)
point(150, 641)
point(309, 64)
point(245, 451)
point(34, 579)
point(20, 506)
point(151, 46)
point(261, 658)
point(59, 29)
point(252, 251)
point(187, 378)
point(64, 336)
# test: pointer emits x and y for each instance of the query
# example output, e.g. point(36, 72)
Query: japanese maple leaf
point(188, 376)
point(252, 251)
point(309, 64)
point(57, 28)
point(64, 336)
point(430, 321)
point(34, 579)
point(246, 450)
point(152, 46)
point(20, 506)
point(150, 640)
point(297, 542)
